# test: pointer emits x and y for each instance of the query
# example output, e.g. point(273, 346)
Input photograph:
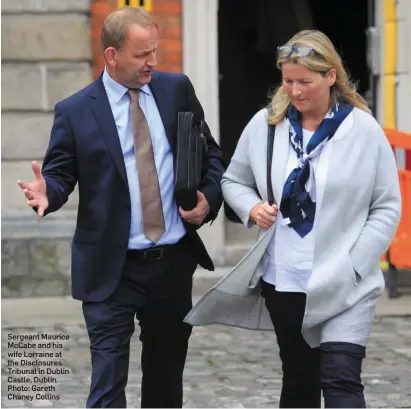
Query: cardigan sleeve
point(238, 182)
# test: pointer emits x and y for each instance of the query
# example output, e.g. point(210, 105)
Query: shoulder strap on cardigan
point(270, 146)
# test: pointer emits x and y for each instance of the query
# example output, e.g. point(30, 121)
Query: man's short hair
point(116, 25)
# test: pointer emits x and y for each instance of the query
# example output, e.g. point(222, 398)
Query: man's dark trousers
point(158, 294)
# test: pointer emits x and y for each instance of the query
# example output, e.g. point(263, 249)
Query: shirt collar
point(116, 91)
point(146, 89)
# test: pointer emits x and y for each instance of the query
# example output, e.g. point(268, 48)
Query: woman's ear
point(332, 76)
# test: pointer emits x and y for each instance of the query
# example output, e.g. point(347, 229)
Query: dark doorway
point(248, 36)
point(345, 23)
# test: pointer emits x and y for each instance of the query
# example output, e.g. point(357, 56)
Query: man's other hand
point(199, 213)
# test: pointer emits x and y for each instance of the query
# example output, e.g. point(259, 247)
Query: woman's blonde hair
point(321, 60)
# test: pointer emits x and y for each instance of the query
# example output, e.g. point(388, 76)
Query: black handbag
point(191, 147)
point(229, 212)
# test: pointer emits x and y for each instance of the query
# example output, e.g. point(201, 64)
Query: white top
point(290, 257)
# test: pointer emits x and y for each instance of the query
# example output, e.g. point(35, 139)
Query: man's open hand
point(36, 191)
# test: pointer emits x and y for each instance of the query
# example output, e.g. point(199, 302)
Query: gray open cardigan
point(355, 225)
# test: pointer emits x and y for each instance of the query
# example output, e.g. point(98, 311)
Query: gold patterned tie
point(151, 207)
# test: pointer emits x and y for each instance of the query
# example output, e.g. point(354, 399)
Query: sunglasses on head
point(286, 50)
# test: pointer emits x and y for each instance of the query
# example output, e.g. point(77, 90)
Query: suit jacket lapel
point(165, 105)
point(104, 116)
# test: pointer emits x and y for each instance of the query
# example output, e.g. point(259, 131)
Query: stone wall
point(46, 56)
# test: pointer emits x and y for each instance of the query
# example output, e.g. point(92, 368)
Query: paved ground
point(224, 367)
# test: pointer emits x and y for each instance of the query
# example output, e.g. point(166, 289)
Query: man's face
point(133, 64)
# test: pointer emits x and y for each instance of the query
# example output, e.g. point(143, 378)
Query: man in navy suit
point(118, 272)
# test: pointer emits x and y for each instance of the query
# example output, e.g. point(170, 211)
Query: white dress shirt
point(120, 105)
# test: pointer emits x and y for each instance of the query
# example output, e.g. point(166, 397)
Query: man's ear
point(109, 55)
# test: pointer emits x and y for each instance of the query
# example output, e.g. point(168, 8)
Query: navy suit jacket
point(84, 148)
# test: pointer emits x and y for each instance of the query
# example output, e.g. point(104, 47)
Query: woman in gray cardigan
point(315, 268)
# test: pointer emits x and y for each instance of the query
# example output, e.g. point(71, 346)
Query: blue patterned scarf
point(297, 205)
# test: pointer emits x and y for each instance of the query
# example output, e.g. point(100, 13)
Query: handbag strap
point(270, 146)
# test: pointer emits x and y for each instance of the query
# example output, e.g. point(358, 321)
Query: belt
point(155, 253)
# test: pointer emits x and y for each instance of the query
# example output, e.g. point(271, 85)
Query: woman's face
point(309, 91)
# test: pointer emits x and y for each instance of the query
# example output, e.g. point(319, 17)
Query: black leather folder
point(191, 147)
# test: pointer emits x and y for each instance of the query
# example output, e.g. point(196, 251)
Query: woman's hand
point(264, 215)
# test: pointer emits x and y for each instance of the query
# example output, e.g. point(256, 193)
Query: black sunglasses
point(286, 50)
